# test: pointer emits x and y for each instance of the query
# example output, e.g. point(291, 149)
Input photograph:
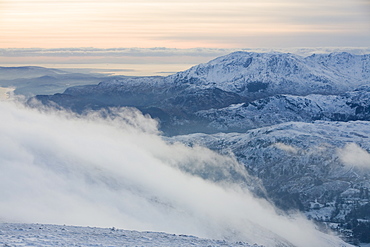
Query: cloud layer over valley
point(61, 168)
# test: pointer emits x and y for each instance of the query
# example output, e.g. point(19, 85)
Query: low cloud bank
point(60, 168)
point(156, 55)
point(166, 52)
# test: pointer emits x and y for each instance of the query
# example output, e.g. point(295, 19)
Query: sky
point(184, 24)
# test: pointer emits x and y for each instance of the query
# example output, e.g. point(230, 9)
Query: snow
point(287, 108)
point(304, 151)
point(321, 213)
point(252, 74)
point(284, 73)
point(15, 234)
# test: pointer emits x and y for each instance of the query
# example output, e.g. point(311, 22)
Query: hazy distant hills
point(11, 73)
point(299, 124)
point(33, 80)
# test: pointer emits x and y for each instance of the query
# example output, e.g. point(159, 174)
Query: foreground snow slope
point(55, 235)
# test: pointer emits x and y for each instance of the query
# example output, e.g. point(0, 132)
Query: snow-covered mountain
point(239, 77)
point(321, 168)
point(302, 122)
point(255, 74)
point(350, 106)
point(312, 156)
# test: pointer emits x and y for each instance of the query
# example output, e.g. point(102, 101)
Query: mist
point(354, 156)
point(94, 170)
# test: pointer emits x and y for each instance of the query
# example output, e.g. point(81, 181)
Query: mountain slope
point(350, 106)
point(301, 164)
point(54, 235)
point(255, 75)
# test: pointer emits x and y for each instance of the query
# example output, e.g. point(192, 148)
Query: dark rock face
point(257, 86)
point(171, 106)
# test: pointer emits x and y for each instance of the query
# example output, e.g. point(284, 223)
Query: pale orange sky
point(183, 24)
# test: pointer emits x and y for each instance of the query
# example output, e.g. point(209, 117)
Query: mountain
point(33, 80)
point(349, 106)
point(321, 168)
point(11, 73)
point(311, 155)
point(256, 75)
point(240, 77)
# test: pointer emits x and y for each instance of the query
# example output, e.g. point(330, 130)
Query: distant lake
point(116, 69)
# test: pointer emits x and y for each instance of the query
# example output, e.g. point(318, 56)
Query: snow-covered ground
point(56, 235)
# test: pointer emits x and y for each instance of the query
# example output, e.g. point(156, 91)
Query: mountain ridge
point(239, 77)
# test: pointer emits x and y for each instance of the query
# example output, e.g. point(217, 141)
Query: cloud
point(100, 170)
point(353, 155)
point(286, 148)
point(123, 56)
point(138, 61)
point(165, 52)
point(90, 51)
point(171, 23)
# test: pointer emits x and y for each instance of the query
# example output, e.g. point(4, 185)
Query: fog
point(353, 155)
point(94, 170)
point(135, 60)
point(287, 148)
